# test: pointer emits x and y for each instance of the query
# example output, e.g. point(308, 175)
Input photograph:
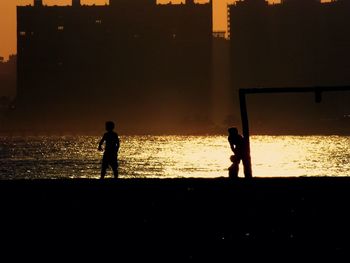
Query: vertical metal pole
point(245, 128)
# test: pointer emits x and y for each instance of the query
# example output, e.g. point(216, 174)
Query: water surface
point(172, 156)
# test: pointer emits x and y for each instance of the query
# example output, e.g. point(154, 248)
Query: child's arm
point(233, 148)
point(100, 144)
point(231, 144)
point(118, 144)
point(235, 151)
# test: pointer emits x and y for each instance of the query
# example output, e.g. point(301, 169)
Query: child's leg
point(236, 167)
point(114, 166)
point(104, 167)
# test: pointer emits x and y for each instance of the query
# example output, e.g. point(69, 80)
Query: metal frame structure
point(244, 112)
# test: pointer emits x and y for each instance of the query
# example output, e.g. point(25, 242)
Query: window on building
point(98, 21)
point(60, 28)
point(22, 33)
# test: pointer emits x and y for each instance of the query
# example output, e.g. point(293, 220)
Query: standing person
point(110, 155)
point(239, 148)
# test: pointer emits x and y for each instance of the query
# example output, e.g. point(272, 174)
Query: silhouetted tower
point(76, 3)
point(38, 3)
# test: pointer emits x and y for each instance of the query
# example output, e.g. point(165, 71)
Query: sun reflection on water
point(301, 155)
point(173, 156)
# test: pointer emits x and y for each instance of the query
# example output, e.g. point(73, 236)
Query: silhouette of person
point(239, 148)
point(233, 169)
point(110, 155)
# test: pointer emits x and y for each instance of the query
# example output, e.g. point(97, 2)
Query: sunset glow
point(151, 130)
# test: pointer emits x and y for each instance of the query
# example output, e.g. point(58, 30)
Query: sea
point(70, 157)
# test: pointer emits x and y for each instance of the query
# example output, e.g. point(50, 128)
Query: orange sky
point(8, 18)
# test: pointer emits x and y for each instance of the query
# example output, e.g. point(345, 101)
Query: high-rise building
point(295, 43)
point(38, 3)
point(8, 77)
point(145, 65)
point(76, 3)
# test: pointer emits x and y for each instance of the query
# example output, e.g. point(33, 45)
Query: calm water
point(173, 156)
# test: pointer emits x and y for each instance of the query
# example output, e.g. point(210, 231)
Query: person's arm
point(232, 145)
point(235, 151)
point(101, 143)
point(118, 143)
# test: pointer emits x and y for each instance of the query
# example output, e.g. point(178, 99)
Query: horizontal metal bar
point(294, 89)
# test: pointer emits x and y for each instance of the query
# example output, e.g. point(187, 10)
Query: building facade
point(292, 44)
point(146, 66)
point(8, 77)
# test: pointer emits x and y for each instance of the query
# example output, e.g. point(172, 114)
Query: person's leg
point(236, 169)
point(238, 161)
point(233, 171)
point(114, 165)
point(104, 167)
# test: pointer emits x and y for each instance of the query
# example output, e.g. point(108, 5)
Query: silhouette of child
point(110, 155)
point(233, 169)
point(239, 148)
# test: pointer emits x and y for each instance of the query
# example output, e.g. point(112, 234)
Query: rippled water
point(173, 156)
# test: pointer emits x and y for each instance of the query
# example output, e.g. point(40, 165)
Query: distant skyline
point(8, 18)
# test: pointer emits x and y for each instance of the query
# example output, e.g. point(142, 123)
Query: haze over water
point(172, 157)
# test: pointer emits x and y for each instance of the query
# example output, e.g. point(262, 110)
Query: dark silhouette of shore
point(287, 219)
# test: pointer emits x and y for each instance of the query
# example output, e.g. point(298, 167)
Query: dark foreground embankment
point(182, 219)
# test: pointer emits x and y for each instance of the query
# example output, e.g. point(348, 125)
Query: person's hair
point(232, 131)
point(110, 125)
